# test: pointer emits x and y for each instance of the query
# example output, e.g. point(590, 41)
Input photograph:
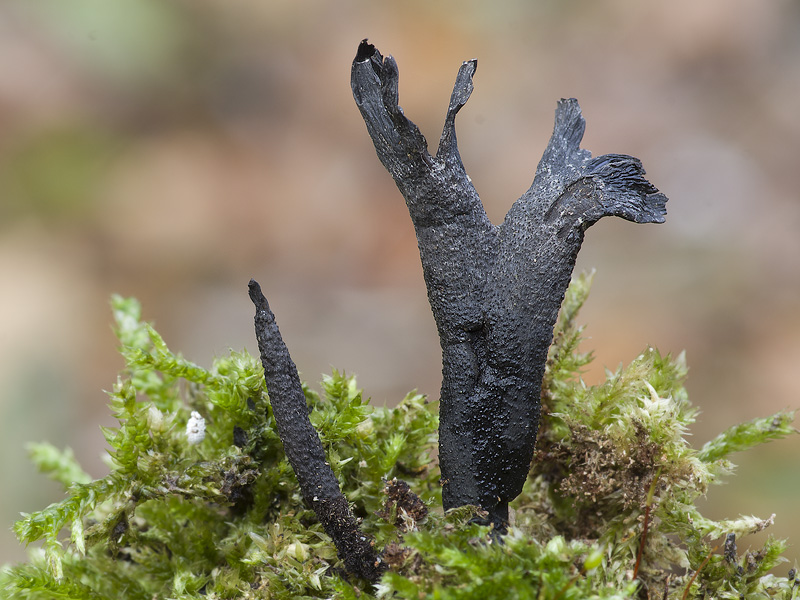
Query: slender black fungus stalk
point(495, 291)
point(304, 449)
point(730, 548)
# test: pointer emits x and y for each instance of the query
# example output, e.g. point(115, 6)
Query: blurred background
point(171, 150)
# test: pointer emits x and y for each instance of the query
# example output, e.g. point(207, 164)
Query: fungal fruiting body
point(304, 449)
point(495, 290)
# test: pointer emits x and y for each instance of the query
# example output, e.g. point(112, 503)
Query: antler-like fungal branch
point(495, 291)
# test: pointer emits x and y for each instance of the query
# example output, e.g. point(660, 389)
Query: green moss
point(224, 518)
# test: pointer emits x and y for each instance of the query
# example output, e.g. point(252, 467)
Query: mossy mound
point(607, 512)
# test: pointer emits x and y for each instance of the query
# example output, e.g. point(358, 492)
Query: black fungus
point(304, 449)
point(495, 291)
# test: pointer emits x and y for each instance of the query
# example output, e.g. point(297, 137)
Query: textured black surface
point(495, 291)
point(304, 449)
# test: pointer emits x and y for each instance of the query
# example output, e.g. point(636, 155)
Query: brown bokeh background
point(170, 150)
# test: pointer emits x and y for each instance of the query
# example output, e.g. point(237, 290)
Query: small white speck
point(195, 428)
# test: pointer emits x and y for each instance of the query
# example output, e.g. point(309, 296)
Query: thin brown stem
point(697, 572)
point(648, 505)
